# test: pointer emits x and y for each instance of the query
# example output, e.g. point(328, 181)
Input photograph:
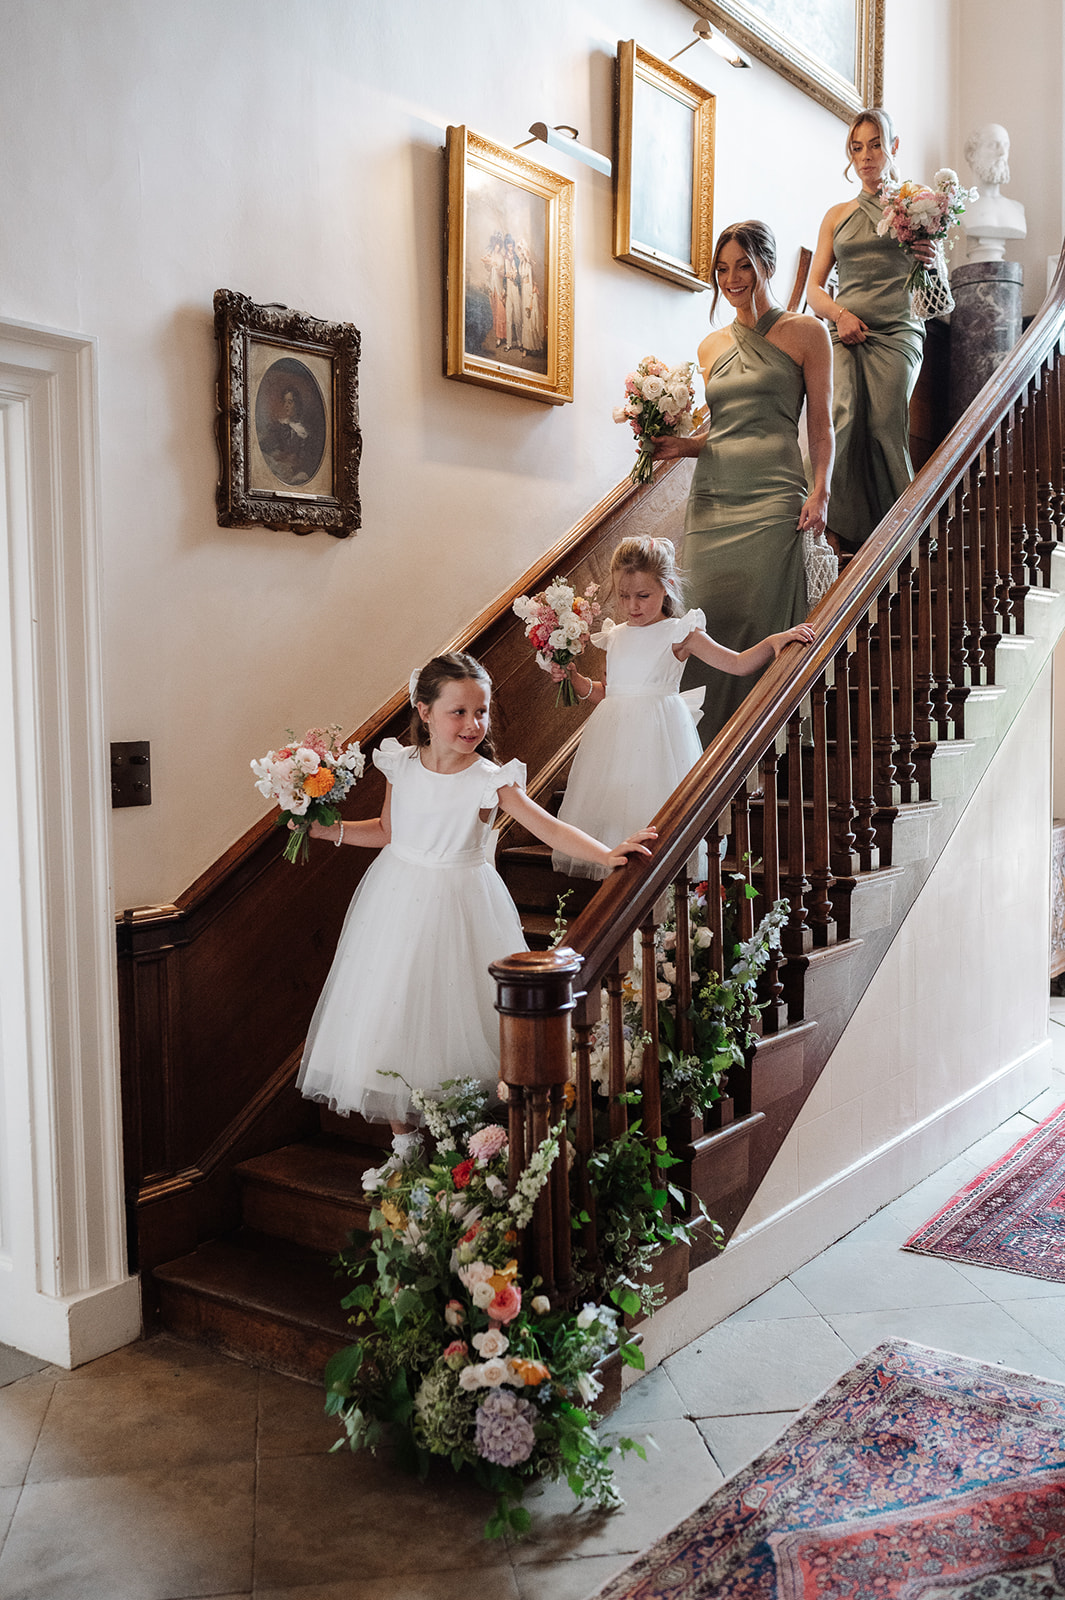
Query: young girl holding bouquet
point(640, 740)
point(409, 991)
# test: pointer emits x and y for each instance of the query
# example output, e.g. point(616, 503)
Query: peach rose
point(506, 1304)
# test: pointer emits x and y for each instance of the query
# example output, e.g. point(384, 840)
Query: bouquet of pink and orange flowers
point(557, 624)
point(308, 778)
point(658, 401)
point(913, 214)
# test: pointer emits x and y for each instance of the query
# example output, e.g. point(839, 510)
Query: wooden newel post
point(535, 1000)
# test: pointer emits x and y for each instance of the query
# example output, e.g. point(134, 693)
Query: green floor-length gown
point(742, 549)
point(871, 382)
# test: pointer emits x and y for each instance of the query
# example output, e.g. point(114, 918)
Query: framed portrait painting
point(509, 275)
point(831, 49)
point(288, 418)
point(663, 169)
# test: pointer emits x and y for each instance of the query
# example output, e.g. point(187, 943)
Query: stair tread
point(261, 1274)
point(323, 1168)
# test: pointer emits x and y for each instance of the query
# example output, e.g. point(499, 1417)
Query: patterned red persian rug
point(1013, 1215)
point(917, 1476)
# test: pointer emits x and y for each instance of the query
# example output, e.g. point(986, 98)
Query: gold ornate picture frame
point(289, 442)
point(509, 273)
point(663, 169)
point(833, 50)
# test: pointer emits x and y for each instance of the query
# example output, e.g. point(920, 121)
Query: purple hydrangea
point(505, 1428)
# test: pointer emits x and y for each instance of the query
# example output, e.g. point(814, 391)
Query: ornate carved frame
point(748, 28)
point(241, 327)
point(466, 152)
point(692, 271)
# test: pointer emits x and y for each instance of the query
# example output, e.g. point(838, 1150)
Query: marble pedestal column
point(984, 325)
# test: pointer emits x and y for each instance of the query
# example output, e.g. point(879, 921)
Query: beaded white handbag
point(821, 564)
point(931, 296)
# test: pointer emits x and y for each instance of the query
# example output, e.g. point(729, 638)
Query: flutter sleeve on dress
point(388, 756)
point(496, 778)
point(602, 638)
point(688, 623)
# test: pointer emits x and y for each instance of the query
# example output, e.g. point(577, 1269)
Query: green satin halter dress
point(871, 382)
point(742, 550)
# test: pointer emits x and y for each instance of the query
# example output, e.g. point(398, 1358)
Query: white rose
point(541, 1304)
point(620, 413)
point(470, 1377)
point(651, 387)
point(588, 1314)
point(558, 640)
point(573, 627)
point(680, 394)
point(493, 1342)
point(703, 938)
point(306, 760)
point(482, 1295)
point(524, 607)
point(476, 1272)
point(493, 1373)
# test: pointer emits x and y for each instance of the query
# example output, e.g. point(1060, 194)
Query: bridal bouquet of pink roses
point(308, 778)
point(557, 625)
point(658, 401)
point(913, 214)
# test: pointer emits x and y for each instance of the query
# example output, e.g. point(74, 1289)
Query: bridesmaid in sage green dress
point(877, 342)
point(749, 500)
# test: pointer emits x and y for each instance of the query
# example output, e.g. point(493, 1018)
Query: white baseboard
point(69, 1332)
point(755, 1260)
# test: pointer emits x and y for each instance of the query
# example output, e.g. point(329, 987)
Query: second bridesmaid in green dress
point(749, 501)
point(877, 342)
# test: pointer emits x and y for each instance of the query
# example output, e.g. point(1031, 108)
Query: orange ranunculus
point(530, 1372)
point(396, 1219)
point(504, 1275)
point(318, 783)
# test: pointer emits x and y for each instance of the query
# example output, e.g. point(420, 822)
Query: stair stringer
point(776, 1230)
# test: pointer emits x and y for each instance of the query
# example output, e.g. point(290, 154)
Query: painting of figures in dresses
point(506, 297)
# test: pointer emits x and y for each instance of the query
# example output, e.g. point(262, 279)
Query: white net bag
point(821, 564)
point(931, 295)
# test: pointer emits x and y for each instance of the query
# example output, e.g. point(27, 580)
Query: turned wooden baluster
point(864, 799)
point(771, 989)
point(619, 1117)
point(989, 496)
point(972, 525)
point(924, 682)
point(1030, 438)
point(650, 1083)
point(535, 1000)
point(1044, 481)
point(941, 623)
point(905, 736)
point(885, 788)
point(797, 937)
point(843, 857)
point(1020, 532)
point(683, 954)
point(1004, 525)
point(819, 900)
point(741, 839)
point(1056, 423)
point(714, 917)
point(585, 1017)
point(959, 626)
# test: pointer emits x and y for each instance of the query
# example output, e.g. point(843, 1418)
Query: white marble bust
point(992, 218)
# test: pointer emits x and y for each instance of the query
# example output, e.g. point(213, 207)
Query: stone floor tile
point(872, 1274)
point(1003, 1286)
point(567, 1580)
point(652, 1399)
point(783, 1300)
point(983, 1331)
point(14, 1365)
point(495, 1583)
point(677, 1476)
point(292, 1419)
point(1043, 1318)
point(153, 1412)
point(735, 1441)
point(744, 1367)
point(8, 1502)
point(22, 1411)
point(160, 1351)
point(167, 1534)
point(321, 1516)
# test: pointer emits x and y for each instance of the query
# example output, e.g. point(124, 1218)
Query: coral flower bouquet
point(558, 623)
point(454, 1355)
point(658, 401)
point(308, 778)
point(913, 214)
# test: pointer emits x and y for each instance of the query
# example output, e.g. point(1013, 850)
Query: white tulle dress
point(409, 989)
point(638, 742)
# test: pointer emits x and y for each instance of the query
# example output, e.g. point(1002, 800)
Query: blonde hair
point(658, 559)
point(454, 666)
point(884, 126)
point(755, 239)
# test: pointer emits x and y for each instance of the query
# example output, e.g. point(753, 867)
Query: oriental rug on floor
point(1013, 1215)
point(918, 1476)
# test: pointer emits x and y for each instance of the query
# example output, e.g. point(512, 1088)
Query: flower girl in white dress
point(640, 740)
point(409, 990)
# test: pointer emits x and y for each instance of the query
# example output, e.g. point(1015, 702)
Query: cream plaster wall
point(291, 149)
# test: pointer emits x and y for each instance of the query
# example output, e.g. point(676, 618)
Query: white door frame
point(66, 1294)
